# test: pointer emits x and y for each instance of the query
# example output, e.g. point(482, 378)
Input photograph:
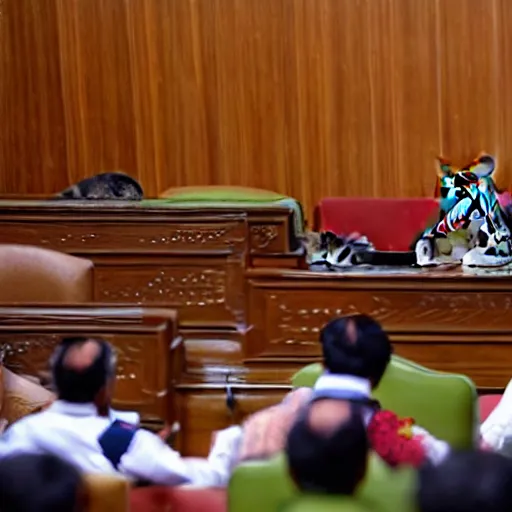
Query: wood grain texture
point(331, 97)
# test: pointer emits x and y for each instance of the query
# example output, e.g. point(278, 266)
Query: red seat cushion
point(177, 499)
point(486, 404)
point(390, 224)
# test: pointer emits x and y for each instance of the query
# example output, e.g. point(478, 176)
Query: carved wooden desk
point(150, 354)
point(452, 320)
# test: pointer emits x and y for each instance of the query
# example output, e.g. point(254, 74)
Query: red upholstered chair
point(486, 404)
point(390, 224)
point(177, 499)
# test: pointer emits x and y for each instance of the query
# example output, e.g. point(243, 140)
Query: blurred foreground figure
point(467, 482)
point(327, 448)
point(40, 483)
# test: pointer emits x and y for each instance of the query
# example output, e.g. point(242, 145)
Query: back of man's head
point(467, 482)
point(40, 483)
point(356, 345)
point(82, 367)
point(327, 448)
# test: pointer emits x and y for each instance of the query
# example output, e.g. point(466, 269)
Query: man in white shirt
point(356, 352)
point(79, 427)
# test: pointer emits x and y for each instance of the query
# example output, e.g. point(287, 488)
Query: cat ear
point(329, 236)
point(445, 167)
point(482, 167)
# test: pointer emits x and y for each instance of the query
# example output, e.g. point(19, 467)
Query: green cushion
point(261, 486)
point(265, 486)
point(325, 504)
point(444, 404)
point(228, 197)
point(220, 193)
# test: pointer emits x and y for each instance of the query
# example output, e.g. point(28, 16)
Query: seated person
point(77, 426)
point(496, 430)
point(40, 483)
point(327, 448)
point(356, 352)
point(466, 482)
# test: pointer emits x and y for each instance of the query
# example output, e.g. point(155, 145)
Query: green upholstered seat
point(444, 404)
point(265, 486)
point(325, 504)
point(228, 197)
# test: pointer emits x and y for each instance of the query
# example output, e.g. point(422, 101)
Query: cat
point(106, 186)
point(332, 250)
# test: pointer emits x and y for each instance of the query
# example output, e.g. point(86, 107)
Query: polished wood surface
point(248, 329)
point(308, 98)
point(451, 319)
point(149, 351)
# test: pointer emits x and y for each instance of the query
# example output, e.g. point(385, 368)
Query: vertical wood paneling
point(308, 98)
point(468, 77)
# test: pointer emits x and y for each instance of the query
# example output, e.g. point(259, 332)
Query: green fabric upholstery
point(227, 197)
point(325, 504)
point(214, 193)
point(444, 404)
point(265, 486)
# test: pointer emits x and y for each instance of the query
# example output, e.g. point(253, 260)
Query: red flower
point(392, 439)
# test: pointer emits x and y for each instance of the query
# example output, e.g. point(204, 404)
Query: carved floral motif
point(28, 354)
point(297, 323)
point(194, 236)
point(69, 238)
point(179, 287)
point(302, 326)
point(262, 236)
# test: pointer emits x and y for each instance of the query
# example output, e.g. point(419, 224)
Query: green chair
point(325, 504)
point(445, 404)
point(265, 486)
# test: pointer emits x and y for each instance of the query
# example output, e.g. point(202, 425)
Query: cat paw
point(425, 252)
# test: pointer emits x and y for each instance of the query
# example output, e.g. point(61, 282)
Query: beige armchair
point(107, 493)
point(35, 275)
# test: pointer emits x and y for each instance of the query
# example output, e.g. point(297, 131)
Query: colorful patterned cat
point(472, 227)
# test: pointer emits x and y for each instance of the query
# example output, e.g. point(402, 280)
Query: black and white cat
point(333, 250)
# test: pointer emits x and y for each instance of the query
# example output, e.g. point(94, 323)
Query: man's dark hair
point(356, 345)
point(328, 462)
point(81, 385)
point(39, 483)
point(467, 482)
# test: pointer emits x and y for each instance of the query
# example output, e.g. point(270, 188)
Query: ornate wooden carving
point(262, 236)
point(150, 356)
point(87, 226)
point(450, 320)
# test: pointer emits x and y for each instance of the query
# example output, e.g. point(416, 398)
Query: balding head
point(83, 369)
point(327, 448)
point(325, 416)
point(81, 356)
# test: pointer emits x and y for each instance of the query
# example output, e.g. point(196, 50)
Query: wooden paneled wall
point(305, 97)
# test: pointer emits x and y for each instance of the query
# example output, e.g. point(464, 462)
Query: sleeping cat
point(333, 250)
point(105, 186)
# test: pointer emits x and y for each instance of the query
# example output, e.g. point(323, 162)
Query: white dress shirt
point(496, 430)
point(72, 431)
